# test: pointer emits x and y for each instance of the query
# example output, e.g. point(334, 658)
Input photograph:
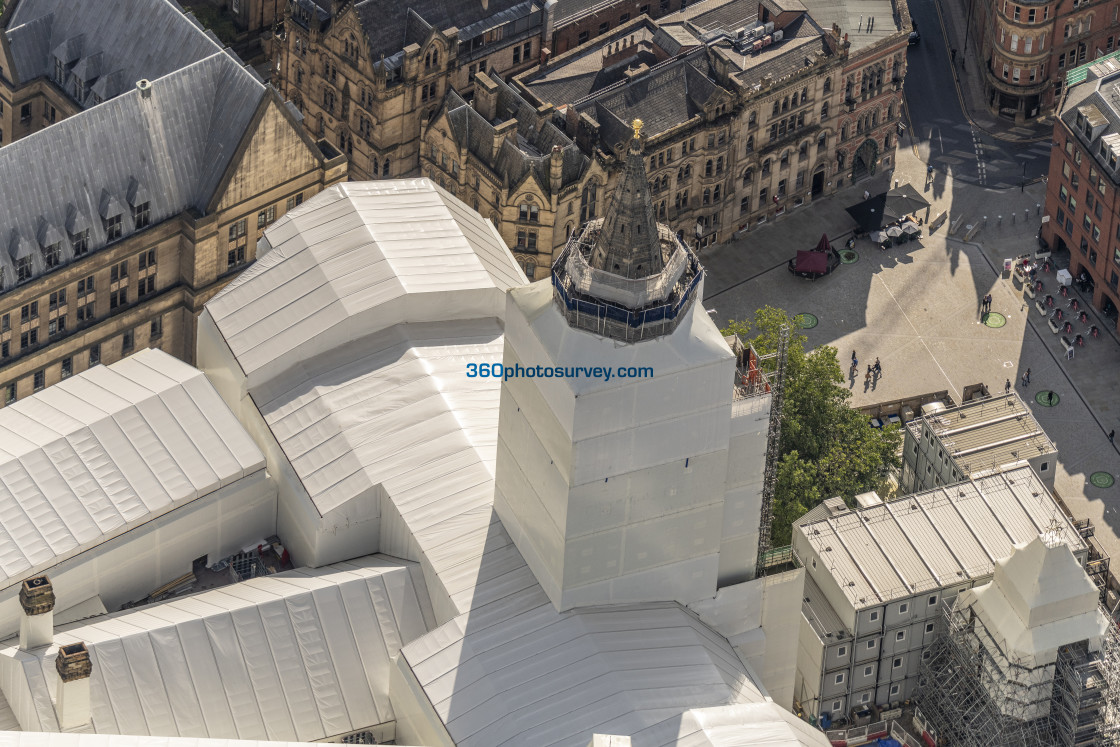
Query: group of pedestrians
point(875, 370)
point(985, 305)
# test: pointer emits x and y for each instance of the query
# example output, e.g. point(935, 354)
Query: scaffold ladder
point(773, 441)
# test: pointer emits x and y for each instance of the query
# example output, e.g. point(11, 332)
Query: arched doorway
point(865, 160)
point(818, 180)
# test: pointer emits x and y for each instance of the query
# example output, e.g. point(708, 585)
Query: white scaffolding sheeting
point(370, 255)
point(104, 451)
point(535, 676)
point(302, 655)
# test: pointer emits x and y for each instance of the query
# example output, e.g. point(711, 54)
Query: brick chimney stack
point(72, 697)
point(36, 625)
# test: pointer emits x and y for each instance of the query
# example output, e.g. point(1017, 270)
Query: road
point(942, 132)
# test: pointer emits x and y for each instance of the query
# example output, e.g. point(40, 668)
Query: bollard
point(1026, 215)
point(985, 220)
point(1037, 209)
point(1000, 223)
point(1013, 219)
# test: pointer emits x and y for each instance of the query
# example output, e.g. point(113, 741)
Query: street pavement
point(915, 307)
point(974, 148)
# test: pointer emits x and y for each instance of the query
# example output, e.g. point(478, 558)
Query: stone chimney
point(145, 88)
point(555, 169)
point(36, 625)
point(502, 133)
point(486, 97)
point(72, 698)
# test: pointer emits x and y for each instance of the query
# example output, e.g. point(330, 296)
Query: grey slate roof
point(171, 148)
point(390, 25)
point(1101, 89)
point(668, 95)
point(107, 44)
point(514, 161)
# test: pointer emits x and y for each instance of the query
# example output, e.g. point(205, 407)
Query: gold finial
point(637, 125)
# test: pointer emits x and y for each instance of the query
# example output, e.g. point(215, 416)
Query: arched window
point(750, 144)
point(715, 194)
point(708, 168)
point(828, 85)
point(587, 201)
point(385, 168)
point(748, 177)
point(707, 196)
point(824, 110)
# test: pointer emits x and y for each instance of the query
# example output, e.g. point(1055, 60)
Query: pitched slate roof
point(669, 95)
point(532, 149)
point(173, 146)
point(107, 45)
point(391, 24)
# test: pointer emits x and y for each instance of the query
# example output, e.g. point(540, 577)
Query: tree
point(827, 448)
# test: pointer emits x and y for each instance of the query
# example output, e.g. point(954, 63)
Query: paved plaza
point(916, 308)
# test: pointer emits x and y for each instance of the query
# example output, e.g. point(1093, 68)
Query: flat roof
point(935, 539)
point(990, 433)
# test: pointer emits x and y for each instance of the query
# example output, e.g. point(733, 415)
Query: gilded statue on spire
point(637, 125)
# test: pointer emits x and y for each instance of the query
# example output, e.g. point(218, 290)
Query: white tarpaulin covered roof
point(301, 655)
point(96, 454)
point(536, 676)
point(1039, 600)
point(41, 739)
point(746, 725)
point(367, 256)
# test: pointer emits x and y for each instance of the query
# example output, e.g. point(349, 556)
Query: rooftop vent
point(145, 87)
point(36, 625)
point(72, 700)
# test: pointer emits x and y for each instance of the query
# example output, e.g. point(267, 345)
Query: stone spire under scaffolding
point(625, 275)
point(628, 244)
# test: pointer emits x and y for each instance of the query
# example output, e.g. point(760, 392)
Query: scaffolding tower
point(972, 693)
point(773, 453)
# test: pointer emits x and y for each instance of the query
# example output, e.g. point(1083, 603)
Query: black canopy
point(888, 207)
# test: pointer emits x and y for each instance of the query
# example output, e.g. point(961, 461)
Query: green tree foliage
point(827, 448)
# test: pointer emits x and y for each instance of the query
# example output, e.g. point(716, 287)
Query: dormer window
point(59, 71)
point(113, 228)
point(141, 215)
point(52, 254)
point(23, 269)
point(80, 242)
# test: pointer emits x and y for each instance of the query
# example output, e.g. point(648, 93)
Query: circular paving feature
point(806, 320)
point(1047, 399)
point(848, 257)
point(994, 319)
point(1102, 479)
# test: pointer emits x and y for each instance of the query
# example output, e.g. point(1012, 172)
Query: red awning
point(823, 245)
point(812, 262)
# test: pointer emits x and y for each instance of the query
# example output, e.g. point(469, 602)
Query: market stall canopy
point(823, 245)
point(812, 261)
point(887, 207)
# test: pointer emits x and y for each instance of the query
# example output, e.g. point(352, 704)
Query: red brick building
point(1026, 48)
point(1083, 190)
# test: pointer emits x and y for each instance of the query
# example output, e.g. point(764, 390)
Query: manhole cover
point(807, 321)
point(848, 257)
point(994, 319)
point(1047, 399)
point(1102, 479)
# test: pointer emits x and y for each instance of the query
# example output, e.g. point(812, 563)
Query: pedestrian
point(855, 361)
point(1024, 380)
point(866, 194)
point(867, 378)
point(1050, 397)
point(878, 368)
point(1028, 376)
point(1007, 387)
point(1111, 436)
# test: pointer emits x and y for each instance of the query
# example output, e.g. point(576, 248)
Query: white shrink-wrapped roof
point(41, 739)
point(302, 655)
point(1039, 600)
point(361, 258)
point(536, 676)
point(747, 725)
point(104, 451)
